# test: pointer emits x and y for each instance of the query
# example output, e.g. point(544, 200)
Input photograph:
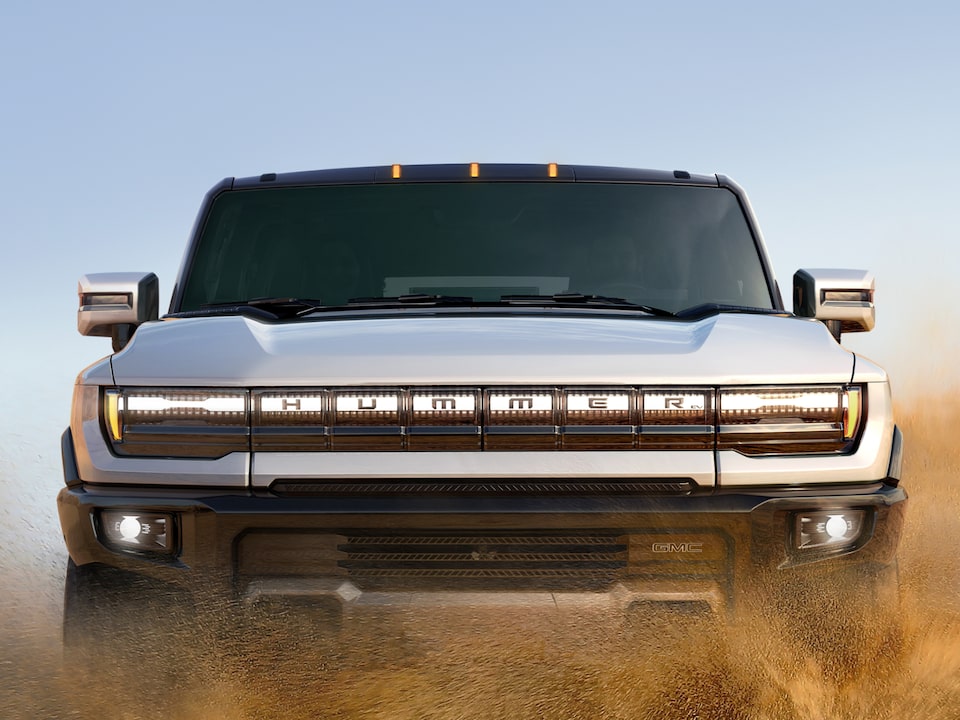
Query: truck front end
point(403, 387)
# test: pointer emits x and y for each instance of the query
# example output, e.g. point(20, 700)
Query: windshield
point(670, 247)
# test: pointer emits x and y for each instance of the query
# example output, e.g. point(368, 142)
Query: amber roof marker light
point(552, 170)
point(395, 172)
point(474, 170)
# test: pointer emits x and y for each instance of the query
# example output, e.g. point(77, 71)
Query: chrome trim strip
point(698, 466)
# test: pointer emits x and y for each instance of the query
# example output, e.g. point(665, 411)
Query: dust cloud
point(450, 665)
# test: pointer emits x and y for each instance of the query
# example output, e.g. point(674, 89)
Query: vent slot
point(592, 558)
point(315, 488)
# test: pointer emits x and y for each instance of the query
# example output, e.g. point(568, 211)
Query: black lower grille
point(484, 557)
point(313, 488)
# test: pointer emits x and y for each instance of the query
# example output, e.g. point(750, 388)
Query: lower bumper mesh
point(484, 557)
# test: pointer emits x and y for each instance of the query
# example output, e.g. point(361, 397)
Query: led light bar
point(444, 419)
point(521, 419)
point(210, 423)
point(365, 408)
point(176, 423)
point(677, 419)
point(520, 406)
point(785, 420)
point(762, 405)
point(441, 407)
point(295, 420)
point(366, 419)
point(598, 407)
point(676, 407)
point(598, 419)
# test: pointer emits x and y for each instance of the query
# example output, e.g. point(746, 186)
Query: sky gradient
point(840, 122)
point(839, 119)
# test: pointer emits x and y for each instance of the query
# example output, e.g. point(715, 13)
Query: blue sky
point(840, 120)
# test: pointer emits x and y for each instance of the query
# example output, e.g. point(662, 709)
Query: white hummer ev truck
point(382, 385)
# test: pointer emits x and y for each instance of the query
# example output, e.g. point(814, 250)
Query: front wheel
point(843, 618)
point(118, 623)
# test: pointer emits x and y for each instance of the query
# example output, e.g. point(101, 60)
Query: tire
point(843, 618)
point(87, 597)
point(119, 623)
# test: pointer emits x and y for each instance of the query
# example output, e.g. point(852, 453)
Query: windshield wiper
point(575, 298)
point(705, 309)
point(411, 299)
point(265, 308)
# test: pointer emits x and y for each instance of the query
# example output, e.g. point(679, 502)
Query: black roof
point(475, 172)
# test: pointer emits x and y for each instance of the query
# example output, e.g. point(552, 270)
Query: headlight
point(176, 423)
point(789, 420)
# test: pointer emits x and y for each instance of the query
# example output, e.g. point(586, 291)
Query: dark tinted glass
point(668, 246)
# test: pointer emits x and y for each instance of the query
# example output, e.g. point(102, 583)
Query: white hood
point(507, 349)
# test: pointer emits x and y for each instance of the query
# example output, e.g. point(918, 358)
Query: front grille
point(476, 419)
point(314, 488)
point(569, 557)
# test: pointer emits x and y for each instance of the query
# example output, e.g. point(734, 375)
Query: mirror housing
point(114, 304)
point(841, 299)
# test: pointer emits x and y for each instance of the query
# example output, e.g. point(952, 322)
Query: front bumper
point(355, 554)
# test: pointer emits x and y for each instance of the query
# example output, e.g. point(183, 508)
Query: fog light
point(140, 532)
point(828, 529)
point(130, 528)
point(837, 527)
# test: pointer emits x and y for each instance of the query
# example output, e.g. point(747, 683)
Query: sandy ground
point(449, 667)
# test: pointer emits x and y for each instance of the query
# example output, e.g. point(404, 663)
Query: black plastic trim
point(211, 521)
point(895, 469)
point(709, 500)
point(71, 475)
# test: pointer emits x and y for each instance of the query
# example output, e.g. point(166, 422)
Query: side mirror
point(114, 304)
point(842, 299)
